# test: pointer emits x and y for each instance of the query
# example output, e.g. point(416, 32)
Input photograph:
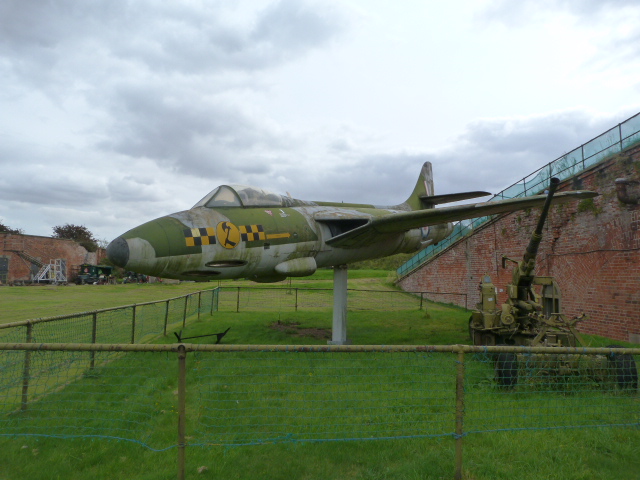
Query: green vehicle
point(94, 274)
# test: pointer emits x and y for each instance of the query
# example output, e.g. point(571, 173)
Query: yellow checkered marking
point(195, 237)
point(252, 233)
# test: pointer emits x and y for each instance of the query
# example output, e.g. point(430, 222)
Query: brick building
point(592, 247)
point(21, 256)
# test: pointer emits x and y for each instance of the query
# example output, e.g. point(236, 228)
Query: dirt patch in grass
point(294, 329)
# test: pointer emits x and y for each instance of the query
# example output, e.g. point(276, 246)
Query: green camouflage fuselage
point(259, 243)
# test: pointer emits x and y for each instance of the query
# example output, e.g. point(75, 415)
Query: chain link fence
point(253, 299)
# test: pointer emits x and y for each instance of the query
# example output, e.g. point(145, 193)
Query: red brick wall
point(592, 249)
point(45, 249)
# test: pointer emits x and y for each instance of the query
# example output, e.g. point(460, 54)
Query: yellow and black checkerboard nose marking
point(252, 233)
point(200, 236)
point(195, 237)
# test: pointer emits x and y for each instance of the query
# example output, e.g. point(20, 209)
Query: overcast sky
point(113, 113)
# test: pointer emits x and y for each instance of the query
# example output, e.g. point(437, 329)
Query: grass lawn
point(146, 384)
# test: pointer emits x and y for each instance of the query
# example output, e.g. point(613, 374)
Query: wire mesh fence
point(263, 397)
point(127, 324)
point(246, 395)
point(247, 299)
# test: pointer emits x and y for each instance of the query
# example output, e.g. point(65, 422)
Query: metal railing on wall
point(611, 142)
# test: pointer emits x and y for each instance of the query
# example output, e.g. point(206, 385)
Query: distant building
point(25, 257)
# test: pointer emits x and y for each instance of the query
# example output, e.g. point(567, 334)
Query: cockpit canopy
point(245, 196)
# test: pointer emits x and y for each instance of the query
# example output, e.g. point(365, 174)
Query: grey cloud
point(133, 190)
point(186, 38)
point(184, 132)
point(47, 190)
point(156, 72)
point(526, 10)
point(493, 151)
point(380, 179)
point(490, 155)
point(291, 25)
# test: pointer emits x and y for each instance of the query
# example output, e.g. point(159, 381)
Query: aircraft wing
point(369, 230)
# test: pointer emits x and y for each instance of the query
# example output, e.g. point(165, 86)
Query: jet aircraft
point(239, 231)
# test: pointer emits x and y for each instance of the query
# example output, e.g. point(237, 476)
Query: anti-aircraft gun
point(532, 316)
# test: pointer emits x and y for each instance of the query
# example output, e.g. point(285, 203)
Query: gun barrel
point(536, 237)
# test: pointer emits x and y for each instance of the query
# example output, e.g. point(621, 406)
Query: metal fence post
point(26, 370)
point(166, 318)
point(133, 325)
point(421, 299)
point(182, 408)
point(199, 303)
point(94, 337)
point(238, 300)
point(459, 410)
point(184, 314)
point(296, 299)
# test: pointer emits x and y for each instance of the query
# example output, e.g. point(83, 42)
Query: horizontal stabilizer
point(429, 201)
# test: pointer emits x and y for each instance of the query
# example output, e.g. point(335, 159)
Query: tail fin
point(423, 196)
point(423, 188)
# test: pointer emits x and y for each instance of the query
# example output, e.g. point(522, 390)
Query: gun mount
point(531, 315)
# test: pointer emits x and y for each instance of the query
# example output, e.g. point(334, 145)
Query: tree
point(6, 229)
point(77, 233)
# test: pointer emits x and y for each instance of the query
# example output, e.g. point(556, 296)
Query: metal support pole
point(459, 411)
point(238, 300)
point(199, 303)
point(26, 370)
point(296, 299)
point(133, 326)
point(421, 299)
point(182, 408)
point(94, 337)
point(213, 299)
point(339, 330)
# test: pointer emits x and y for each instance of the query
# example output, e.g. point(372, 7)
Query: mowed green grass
point(593, 453)
point(24, 303)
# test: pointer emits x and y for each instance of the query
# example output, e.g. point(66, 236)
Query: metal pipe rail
point(194, 347)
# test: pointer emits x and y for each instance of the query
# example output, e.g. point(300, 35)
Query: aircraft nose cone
point(118, 252)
